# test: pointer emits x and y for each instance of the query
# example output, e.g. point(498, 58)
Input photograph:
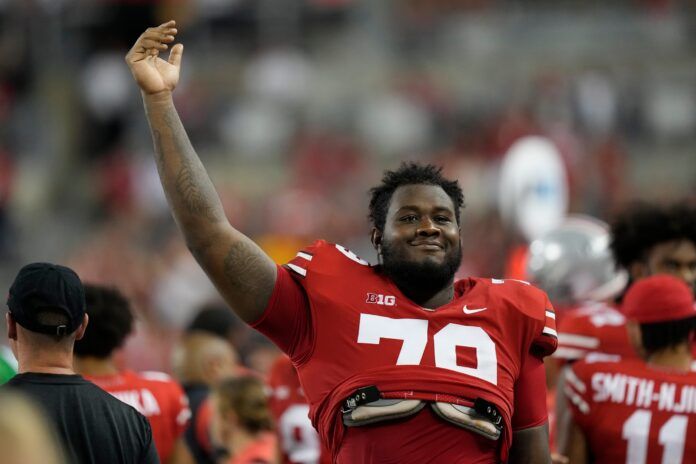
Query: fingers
point(176, 54)
point(152, 41)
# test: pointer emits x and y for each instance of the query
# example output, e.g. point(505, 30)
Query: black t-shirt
point(94, 427)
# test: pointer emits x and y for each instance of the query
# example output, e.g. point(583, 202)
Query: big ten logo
point(384, 300)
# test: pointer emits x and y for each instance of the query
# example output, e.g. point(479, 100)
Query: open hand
point(152, 73)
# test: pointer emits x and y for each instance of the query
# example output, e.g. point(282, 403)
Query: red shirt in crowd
point(299, 442)
point(156, 396)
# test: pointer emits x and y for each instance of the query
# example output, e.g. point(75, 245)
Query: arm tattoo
point(191, 187)
point(191, 184)
point(246, 270)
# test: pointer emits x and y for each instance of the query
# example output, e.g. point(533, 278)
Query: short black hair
point(215, 319)
point(642, 226)
point(410, 174)
point(110, 322)
point(661, 335)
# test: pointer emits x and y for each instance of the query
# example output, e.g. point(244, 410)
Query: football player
point(154, 394)
point(399, 362)
point(645, 240)
point(574, 265)
point(298, 441)
point(643, 409)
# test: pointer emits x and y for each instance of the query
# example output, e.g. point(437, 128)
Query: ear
point(11, 327)
point(635, 337)
point(80, 332)
point(376, 238)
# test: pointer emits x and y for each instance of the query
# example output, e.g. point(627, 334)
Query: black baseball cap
point(42, 286)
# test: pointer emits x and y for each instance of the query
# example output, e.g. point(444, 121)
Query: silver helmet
point(573, 262)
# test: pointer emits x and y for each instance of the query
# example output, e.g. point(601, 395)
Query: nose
point(427, 228)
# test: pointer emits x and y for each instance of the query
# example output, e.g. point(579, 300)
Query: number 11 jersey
point(630, 412)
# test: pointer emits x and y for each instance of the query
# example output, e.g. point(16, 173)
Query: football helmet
point(573, 262)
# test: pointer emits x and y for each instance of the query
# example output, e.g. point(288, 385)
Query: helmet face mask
point(573, 263)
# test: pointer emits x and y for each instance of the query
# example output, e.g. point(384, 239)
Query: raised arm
point(242, 272)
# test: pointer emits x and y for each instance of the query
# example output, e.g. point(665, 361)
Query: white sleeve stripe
point(569, 353)
point(298, 269)
point(581, 341)
point(550, 314)
point(577, 400)
point(573, 380)
point(304, 255)
point(550, 331)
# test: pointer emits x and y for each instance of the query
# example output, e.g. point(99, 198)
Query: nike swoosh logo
point(472, 311)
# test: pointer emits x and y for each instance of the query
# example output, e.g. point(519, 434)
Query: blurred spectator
point(154, 394)
point(26, 436)
point(46, 316)
point(297, 439)
point(201, 361)
point(243, 421)
point(8, 364)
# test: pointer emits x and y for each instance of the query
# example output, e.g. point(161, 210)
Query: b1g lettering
point(377, 298)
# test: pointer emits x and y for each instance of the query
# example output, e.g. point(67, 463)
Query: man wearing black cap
point(46, 315)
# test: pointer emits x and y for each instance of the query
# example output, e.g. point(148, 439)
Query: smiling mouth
point(429, 246)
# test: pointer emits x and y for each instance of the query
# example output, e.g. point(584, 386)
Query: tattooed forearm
point(237, 266)
point(196, 192)
point(184, 178)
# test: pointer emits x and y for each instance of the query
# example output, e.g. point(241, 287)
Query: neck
point(428, 299)
point(239, 440)
point(44, 363)
point(96, 367)
point(676, 358)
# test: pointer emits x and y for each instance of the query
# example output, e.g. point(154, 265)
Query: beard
point(419, 281)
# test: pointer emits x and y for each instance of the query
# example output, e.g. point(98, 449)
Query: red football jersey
point(633, 413)
point(299, 441)
point(593, 328)
point(352, 327)
point(156, 396)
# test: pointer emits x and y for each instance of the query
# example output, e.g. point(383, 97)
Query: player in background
point(640, 410)
point(201, 360)
point(645, 240)
point(242, 421)
point(574, 265)
point(650, 239)
point(397, 361)
point(298, 441)
point(154, 394)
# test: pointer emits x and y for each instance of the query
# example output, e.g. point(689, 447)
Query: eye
point(671, 265)
point(443, 219)
point(408, 218)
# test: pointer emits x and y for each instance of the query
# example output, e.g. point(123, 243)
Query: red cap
point(659, 298)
